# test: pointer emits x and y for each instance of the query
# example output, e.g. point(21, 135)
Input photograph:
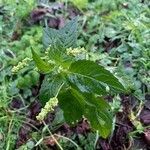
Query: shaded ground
point(118, 141)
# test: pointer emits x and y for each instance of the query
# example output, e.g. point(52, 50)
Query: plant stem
point(60, 147)
point(67, 139)
point(96, 139)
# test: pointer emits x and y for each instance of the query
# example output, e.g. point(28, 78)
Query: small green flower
point(75, 51)
point(21, 65)
point(49, 107)
point(47, 51)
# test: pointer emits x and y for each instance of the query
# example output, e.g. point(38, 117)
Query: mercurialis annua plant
point(73, 82)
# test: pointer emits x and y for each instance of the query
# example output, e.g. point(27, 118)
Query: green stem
point(52, 136)
point(59, 89)
point(68, 140)
point(96, 139)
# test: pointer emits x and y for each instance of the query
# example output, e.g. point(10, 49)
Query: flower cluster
point(47, 50)
point(21, 65)
point(75, 51)
point(47, 53)
point(49, 107)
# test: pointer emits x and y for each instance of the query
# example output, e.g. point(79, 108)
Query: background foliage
point(116, 35)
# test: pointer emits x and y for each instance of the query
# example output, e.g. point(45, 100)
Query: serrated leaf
point(86, 84)
point(65, 37)
point(99, 121)
point(68, 34)
point(59, 40)
point(59, 56)
point(50, 87)
point(41, 65)
point(75, 105)
point(50, 37)
point(90, 77)
point(72, 104)
point(98, 113)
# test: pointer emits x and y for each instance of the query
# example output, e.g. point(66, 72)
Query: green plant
point(10, 120)
point(80, 3)
point(119, 38)
point(27, 77)
point(21, 8)
point(118, 34)
point(77, 83)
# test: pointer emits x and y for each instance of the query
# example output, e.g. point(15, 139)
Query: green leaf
point(80, 3)
point(90, 77)
point(68, 34)
point(97, 111)
point(75, 105)
point(85, 83)
point(50, 37)
point(50, 87)
point(72, 104)
point(99, 121)
point(59, 40)
point(58, 55)
point(41, 65)
point(65, 37)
